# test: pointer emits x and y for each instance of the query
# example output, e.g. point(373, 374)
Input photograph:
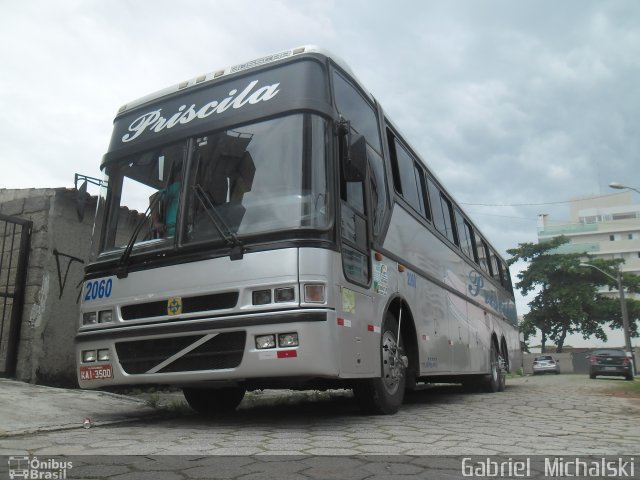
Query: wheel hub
point(392, 363)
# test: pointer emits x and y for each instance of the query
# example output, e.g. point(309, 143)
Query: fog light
point(88, 356)
point(262, 297)
point(314, 293)
point(285, 295)
point(89, 318)
point(265, 341)
point(103, 355)
point(288, 339)
point(105, 316)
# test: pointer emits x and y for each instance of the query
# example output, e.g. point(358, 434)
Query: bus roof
point(237, 68)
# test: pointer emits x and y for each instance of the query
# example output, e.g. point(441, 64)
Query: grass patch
point(627, 389)
point(517, 374)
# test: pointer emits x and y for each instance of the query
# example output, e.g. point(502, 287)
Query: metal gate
point(15, 236)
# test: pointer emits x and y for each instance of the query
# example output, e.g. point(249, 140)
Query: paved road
point(553, 415)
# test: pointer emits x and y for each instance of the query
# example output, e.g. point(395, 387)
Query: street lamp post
point(619, 186)
point(623, 309)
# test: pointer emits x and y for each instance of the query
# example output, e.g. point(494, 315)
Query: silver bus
point(267, 226)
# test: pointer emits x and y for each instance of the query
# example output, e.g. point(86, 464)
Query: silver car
point(545, 364)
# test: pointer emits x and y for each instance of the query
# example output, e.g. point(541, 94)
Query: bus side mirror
point(81, 200)
point(354, 158)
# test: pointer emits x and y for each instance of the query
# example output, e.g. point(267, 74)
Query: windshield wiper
point(123, 263)
point(220, 225)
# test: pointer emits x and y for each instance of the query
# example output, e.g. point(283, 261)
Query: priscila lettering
point(155, 122)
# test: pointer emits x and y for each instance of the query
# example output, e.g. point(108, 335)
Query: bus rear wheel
point(211, 401)
point(495, 381)
point(384, 395)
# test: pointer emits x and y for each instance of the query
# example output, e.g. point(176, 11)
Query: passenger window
point(408, 178)
point(506, 277)
point(436, 206)
point(448, 215)
point(353, 107)
point(483, 254)
point(465, 235)
point(495, 268)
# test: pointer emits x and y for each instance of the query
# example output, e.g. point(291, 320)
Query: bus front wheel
point(212, 401)
point(384, 394)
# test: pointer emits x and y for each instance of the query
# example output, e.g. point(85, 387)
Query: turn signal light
point(314, 294)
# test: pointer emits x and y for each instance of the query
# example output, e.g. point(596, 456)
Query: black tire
point(213, 401)
point(495, 381)
point(385, 394)
point(592, 376)
point(629, 377)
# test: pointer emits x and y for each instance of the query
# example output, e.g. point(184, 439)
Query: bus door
point(355, 303)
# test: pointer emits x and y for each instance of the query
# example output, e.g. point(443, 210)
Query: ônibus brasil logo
point(33, 468)
point(154, 121)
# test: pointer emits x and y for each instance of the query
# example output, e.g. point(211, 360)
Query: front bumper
point(210, 349)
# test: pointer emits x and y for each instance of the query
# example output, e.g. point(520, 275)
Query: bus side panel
point(429, 302)
point(481, 335)
point(454, 332)
point(356, 339)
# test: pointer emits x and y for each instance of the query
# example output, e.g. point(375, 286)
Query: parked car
point(545, 364)
point(610, 361)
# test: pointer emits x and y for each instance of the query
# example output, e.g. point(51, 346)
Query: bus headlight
point(103, 355)
point(88, 356)
point(265, 341)
point(285, 295)
point(105, 316)
point(89, 318)
point(288, 340)
point(261, 297)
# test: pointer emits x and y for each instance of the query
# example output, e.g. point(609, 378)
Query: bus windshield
point(221, 186)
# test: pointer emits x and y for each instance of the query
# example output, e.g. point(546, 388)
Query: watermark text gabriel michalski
point(552, 467)
point(38, 469)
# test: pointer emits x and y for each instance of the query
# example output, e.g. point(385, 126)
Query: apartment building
point(605, 226)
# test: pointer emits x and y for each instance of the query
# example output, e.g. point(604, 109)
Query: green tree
point(567, 299)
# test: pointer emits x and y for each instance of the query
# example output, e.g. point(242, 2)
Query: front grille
point(222, 351)
point(225, 350)
point(201, 303)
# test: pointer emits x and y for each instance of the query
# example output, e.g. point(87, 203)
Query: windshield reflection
point(264, 177)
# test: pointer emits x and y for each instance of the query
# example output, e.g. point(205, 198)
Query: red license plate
point(96, 372)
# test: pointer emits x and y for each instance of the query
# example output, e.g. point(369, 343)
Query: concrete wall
point(50, 315)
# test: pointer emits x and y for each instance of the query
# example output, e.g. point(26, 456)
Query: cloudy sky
point(520, 103)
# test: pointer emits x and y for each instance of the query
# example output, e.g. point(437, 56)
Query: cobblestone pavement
point(550, 415)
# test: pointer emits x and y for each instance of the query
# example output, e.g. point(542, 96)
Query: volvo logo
point(174, 306)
